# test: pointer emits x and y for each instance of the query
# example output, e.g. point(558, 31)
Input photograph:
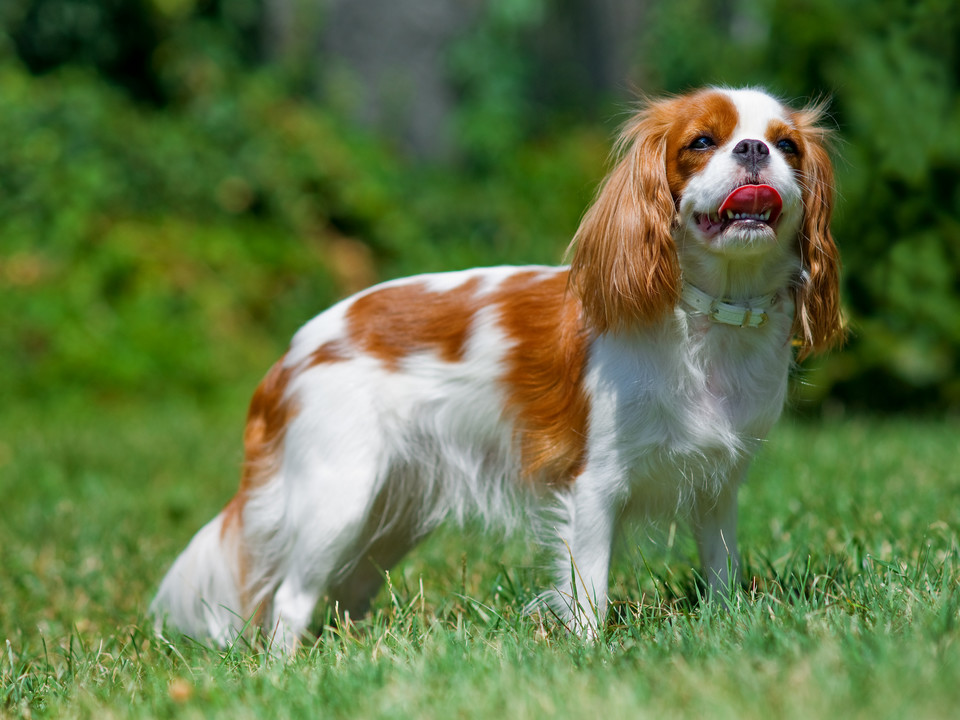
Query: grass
point(851, 606)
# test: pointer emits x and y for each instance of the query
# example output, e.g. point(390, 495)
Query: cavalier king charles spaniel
point(635, 383)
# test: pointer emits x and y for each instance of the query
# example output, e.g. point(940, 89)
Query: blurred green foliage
point(148, 250)
point(172, 206)
point(142, 252)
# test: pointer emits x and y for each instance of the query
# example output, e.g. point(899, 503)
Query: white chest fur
point(677, 418)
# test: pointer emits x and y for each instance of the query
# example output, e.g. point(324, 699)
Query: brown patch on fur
point(708, 113)
point(544, 376)
point(818, 321)
point(331, 351)
point(624, 267)
point(269, 416)
point(393, 322)
point(778, 130)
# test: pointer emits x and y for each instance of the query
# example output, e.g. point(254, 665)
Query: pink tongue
point(754, 199)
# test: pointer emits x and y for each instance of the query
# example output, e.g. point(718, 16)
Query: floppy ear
point(818, 321)
point(624, 267)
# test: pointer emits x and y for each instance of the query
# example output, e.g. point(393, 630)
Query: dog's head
point(732, 176)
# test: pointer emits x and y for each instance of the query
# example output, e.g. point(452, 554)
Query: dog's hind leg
point(327, 517)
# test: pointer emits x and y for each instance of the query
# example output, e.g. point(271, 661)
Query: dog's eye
point(704, 142)
point(787, 147)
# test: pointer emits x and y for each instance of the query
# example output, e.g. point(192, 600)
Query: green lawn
point(852, 607)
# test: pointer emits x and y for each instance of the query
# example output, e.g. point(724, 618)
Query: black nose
point(752, 154)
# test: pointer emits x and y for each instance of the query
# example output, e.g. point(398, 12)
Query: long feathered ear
point(624, 267)
point(818, 322)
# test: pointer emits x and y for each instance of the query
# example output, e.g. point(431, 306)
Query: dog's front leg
point(715, 529)
point(585, 532)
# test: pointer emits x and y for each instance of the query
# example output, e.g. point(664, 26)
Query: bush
point(146, 251)
point(154, 251)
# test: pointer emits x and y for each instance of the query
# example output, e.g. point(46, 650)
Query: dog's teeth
point(766, 216)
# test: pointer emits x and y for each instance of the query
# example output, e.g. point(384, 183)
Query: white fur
point(376, 456)
point(199, 595)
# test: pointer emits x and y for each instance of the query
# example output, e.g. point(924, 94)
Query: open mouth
point(747, 207)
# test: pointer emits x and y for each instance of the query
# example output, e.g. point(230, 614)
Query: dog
point(634, 384)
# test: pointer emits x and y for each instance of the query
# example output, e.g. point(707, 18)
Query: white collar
point(751, 312)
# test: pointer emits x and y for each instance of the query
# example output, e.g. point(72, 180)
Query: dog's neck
point(737, 276)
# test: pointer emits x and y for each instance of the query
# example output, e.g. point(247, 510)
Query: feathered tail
point(200, 596)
